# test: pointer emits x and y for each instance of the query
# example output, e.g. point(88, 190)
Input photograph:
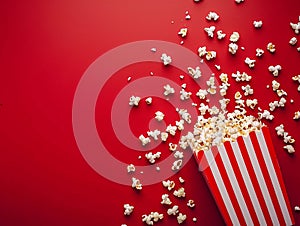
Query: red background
point(45, 47)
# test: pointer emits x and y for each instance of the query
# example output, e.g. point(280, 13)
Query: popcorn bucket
point(245, 180)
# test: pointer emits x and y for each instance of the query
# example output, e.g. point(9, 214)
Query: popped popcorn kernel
point(168, 90)
point(171, 129)
point(195, 73)
point(154, 134)
point(232, 48)
point(296, 115)
point(290, 149)
point(275, 69)
point(251, 63)
point(136, 183)
point(183, 32)
point(128, 209)
point(247, 90)
point(257, 24)
point(191, 203)
point(165, 199)
point(159, 116)
point(152, 157)
point(173, 211)
point(172, 147)
point(259, 52)
point(144, 140)
point(297, 208)
point(134, 101)
point(180, 193)
point(164, 136)
point(177, 165)
point(271, 47)
point(181, 180)
point(148, 100)
point(293, 41)
point(210, 31)
point(296, 26)
point(211, 55)
point(220, 34)
point(234, 37)
point(181, 218)
point(166, 59)
point(130, 168)
point(169, 184)
point(212, 16)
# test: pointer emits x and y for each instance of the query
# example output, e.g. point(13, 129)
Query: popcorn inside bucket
point(236, 156)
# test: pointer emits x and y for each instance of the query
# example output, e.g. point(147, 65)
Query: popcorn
point(234, 37)
point(183, 86)
point(281, 92)
point(134, 101)
point(266, 114)
point(202, 51)
point(128, 79)
point(239, 1)
point(171, 129)
point(181, 180)
point(220, 34)
point(191, 203)
point(169, 184)
point(130, 168)
point(196, 73)
point(241, 77)
point(136, 183)
point(280, 130)
point(257, 24)
point(164, 136)
point(159, 116)
point(251, 63)
point(275, 69)
point(148, 100)
point(271, 47)
point(172, 147)
point(218, 67)
point(211, 55)
point(287, 138)
point(176, 165)
point(296, 115)
point(181, 77)
point(152, 157)
point(180, 193)
point(247, 90)
point(223, 88)
point(187, 17)
point(212, 16)
point(290, 149)
point(153, 50)
point(168, 90)
point(179, 124)
point(210, 31)
point(251, 103)
point(259, 52)
point(165, 199)
point(275, 85)
point(213, 110)
point(154, 134)
point(184, 115)
point(128, 209)
point(298, 49)
point(184, 95)
point(181, 218)
point(293, 41)
point(201, 94)
point(297, 208)
point(203, 108)
point(232, 48)
point(183, 32)
point(194, 219)
point(178, 155)
point(166, 59)
point(152, 217)
point(296, 26)
point(144, 140)
point(173, 211)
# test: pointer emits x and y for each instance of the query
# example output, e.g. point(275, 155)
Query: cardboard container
point(245, 179)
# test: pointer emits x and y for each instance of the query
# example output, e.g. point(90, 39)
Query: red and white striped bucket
point(245, 180)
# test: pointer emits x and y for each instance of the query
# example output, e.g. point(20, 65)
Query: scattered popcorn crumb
point(180, 193)
point(194, 219)
point(210, 31)
point(181, 43)
point(169, 184)
point(275, 69)
point(153, 50)
point(218, 67)
point(196, 73)
point(293, 41)
point(292, 101)
point(152, 157)
point(134, 101)
point(181, 180)
point(136, 184)
point(154, 134)
point(140, 157)
point(128, 79)
point(151, 73)
point(232, 48)
point(157, 168)
point(271, 47)
point(130, 168)
point(242, 48)
point(234, 37)
point(298, 49)
point(173, 211)
point(144, 140)
point(290, 149)
point(191, 203)
point(177, 164)
point(297, 208)
point(181, 218)
point(212, 16)
point(183, 32)
point(257, 24)
point(128, 209)
point(165, 199)
point(251, 63)
point(123, 224)
point(220, 34)
point(148, 100)
point(166, 59)
point(296, 115)
point(259, 52)
point(181, 77)
point(239, 1)
point(168, 90)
